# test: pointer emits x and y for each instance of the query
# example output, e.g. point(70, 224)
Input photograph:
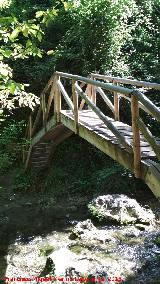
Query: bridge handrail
point(132, 82)
point(150, 107)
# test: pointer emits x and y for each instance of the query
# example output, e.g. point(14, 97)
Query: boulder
point(121, 209)
point(69, 264)
point(87, 232)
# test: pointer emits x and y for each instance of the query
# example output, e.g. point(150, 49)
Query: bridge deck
point(91, 121)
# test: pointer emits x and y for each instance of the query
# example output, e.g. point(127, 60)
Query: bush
point(11, 143)
point(5, 162)
point(25, 181)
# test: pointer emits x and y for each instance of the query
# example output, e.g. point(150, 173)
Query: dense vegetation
point(77, 36)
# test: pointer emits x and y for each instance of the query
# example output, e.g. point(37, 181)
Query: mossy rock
point(157, 241)
point(95, 214)
point(76, 248)
point(46, 250)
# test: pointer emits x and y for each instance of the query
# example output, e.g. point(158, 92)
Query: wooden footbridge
point(60, 115)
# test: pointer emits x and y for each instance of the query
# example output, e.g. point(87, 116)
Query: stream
point(41, 238)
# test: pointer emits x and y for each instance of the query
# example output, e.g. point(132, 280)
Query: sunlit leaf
point(39, 14)
point(7, 53)
point(12, 88)
point(14, 34)
point(28, 43)
point(50, 52)
point(25, 32)
point(39, 36)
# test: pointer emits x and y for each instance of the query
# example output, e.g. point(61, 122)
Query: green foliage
point(118, 37)
point(22, 183)
point(20, 38)
point(38, 37)
point(5, 162)
point(55, 182)
point(157, 241)
point(11, 134)
point(11, 143)
point(95, 213)
point(142, 48)
point(96, 34)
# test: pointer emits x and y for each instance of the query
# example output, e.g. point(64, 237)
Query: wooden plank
point(107, 134)
point(83, 101)
point(127, 81)
point(58, 101)
point(55, 99)
point(139, 103)
point(116, 103)
point(65, 95)
point(82, 104)
point(155, 164)
point(51, 123)
point(37, 120)
point(93, 98)
point(51, 80)
point(108, 123)
point(105, 86)
point(43, 98)
point(105, 98)
point(149, 137)
point(50, 99)
point(152, 177)
point(82, 85)
point(88, 93)
point(148, 104)
point(93, 123)
point(28, 157)
point(136, 137)
point(75, 102)
point(116, 106)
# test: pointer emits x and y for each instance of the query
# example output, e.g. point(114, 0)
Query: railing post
point(116, 104)
point(44, 110)
point(93, 93)
point(89, 91)
point(57, 100)
point(136, 136)
point(75, 102)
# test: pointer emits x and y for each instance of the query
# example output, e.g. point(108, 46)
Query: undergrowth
point(11, 142)
point(77, 168)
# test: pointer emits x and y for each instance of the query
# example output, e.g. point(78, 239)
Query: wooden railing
point(87, 89)
point(122, 81)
